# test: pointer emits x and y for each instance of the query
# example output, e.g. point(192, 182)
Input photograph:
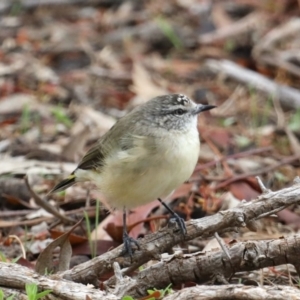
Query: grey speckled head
point(172, 112)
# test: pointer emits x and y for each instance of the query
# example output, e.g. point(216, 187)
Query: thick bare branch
point(16, 276)
point(202, 267)
point(228, 292)
point(160, 242)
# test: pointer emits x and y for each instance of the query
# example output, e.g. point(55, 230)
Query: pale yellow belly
point(130, 189)
point(136, 179)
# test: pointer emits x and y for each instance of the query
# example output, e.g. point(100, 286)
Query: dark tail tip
point(64, 184)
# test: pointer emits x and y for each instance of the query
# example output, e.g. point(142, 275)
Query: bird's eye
point(179, 111)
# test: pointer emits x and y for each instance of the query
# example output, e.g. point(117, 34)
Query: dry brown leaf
point(242, 190)
point(75, 147)
point(143, 86)
point(73, 238)
point(45, 264)
point(98, 122)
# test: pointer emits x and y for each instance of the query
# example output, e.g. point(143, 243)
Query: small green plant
point(61, 193)
point(161, 293)
point(25, 119)
point(280, 177)
point(157, 294)
point(229, 45)
point(32, 292)
point(16, 259)
point(11, 297)
point(16, 8)
point(227, 122)
point(141, 268)
point(294, 123)
point(2, 257)
point(267, 110)
point(47, 272)
point(93, 244)
point(127, 298)
point(96, 224)
point(242, 141)
point(61, 116)
point(253, 108)
point(169, 32)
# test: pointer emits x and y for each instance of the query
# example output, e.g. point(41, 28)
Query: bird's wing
point(122, 132)
point(93, 159)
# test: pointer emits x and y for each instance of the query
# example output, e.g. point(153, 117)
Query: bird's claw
point(180, 223)
point(127, 248)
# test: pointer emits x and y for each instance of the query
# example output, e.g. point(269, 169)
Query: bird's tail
point(61, 186)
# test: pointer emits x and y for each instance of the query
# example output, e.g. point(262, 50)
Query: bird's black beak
point(200, 108)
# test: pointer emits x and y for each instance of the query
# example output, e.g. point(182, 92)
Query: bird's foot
point(180, 223)
point(127, 248)
point(175, 218)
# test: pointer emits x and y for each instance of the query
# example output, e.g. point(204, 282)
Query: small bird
point(145, 156)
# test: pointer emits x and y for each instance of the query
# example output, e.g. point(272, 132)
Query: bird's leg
point(175, 216)
point(127, 240)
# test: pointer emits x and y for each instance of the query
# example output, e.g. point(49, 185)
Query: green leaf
point(169, 32)
point(61, 116)
point(127, 298)
point(42, 294)
point(229, 121)
point(2, 257)
point(167, 290)
point(280, 177)
point(294, 123)
point(31, 290)
point(242, 141)
point(16, 259)
point(11, 297)
point(1, 295)
point(25, 118)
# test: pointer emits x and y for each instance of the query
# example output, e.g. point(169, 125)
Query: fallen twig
point(265, 170)
point(233, 156)
point(289, 97)
point(48, 207)
point(16, 276)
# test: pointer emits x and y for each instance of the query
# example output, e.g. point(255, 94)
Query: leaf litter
point(66, 76)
